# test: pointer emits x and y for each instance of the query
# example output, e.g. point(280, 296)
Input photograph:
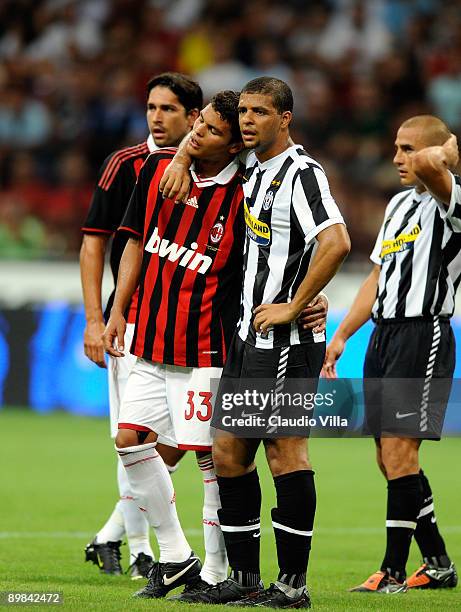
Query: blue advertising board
point(42, 363)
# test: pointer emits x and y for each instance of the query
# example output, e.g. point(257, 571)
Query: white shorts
point(173, 401)
point(118, 371)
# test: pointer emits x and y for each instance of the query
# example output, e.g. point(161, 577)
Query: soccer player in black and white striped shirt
point(410, 294)
point(295, 242)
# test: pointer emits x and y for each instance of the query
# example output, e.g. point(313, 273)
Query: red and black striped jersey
point(116, 180)
point(191, 274)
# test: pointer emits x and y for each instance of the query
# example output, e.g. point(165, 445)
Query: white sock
point(114, 529)
point(215, 566)
point(136, 525)
point(153, 490)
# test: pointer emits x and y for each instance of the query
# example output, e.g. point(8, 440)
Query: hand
point(333, 353)
point(450, 148)
point(175, 182)
point(92, 342)
point(114, 334)
point(315, 315)
point(273, 314)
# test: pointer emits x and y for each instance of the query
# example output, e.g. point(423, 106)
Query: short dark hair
point(281, 94)
point(225, 103)
point(188, 92)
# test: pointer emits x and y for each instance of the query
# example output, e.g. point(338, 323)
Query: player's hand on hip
point(315, 315)
point(268, 315)
point(333, 353)
point(92, 342)
point(114, 334)
point(175, 182)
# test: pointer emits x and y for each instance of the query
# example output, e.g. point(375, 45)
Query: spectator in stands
point(445, 90)
point(72, 77)
point(21, 235)
point(24, 122)
point(226, 72)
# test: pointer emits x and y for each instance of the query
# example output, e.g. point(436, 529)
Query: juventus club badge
point(267, 202)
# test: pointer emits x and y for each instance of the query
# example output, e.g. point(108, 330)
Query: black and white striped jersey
point(419, 251)
point(287, 203)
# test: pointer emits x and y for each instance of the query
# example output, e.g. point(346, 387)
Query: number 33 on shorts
point(205, 409)
point(190, 400)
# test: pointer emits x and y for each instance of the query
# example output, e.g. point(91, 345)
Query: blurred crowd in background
point(72, 89)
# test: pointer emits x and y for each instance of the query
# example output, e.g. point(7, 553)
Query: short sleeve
point(313, 203)
point(375, 255)
point(453, 213)
point(110, 197)
point(134, 218)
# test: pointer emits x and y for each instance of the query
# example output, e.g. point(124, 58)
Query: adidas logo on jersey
point(192, 202)
point(188, 258)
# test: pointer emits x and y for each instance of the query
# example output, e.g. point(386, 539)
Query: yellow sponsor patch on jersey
point(403, 242)
point(256, 230)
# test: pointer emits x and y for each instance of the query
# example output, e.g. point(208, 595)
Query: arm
point(357, 316)
point(334, 245)
point(131, 260)
point(431, 165)
point(175, 182)
point(127, 281)
point(105, 213)
point(91, 272)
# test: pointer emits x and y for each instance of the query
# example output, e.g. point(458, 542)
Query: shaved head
point(432, 130)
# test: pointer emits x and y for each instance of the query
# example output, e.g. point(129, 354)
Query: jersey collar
point(420, 197)
point(224, 177)
point(275, 162)
point(151, 144)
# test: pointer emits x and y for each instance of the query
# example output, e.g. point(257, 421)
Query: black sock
point(296, 501)
point(404, 497)
point(239, 517)
point(427, 534)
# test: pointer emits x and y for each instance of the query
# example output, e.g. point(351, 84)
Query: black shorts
point(408, 373)
point(279, 373)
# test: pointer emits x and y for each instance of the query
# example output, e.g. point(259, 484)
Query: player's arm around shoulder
point(432, 166)
point(176, 180)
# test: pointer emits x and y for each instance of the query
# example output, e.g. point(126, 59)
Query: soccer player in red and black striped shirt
point(173, 103)
point(191, 266)
point(187, 258)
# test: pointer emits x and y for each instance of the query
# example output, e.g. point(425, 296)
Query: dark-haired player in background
point(173, 103)
point(410, 294)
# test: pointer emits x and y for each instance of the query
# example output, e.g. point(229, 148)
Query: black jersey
point(117, 178)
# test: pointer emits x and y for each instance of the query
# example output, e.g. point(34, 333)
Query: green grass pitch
point(58, 486)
